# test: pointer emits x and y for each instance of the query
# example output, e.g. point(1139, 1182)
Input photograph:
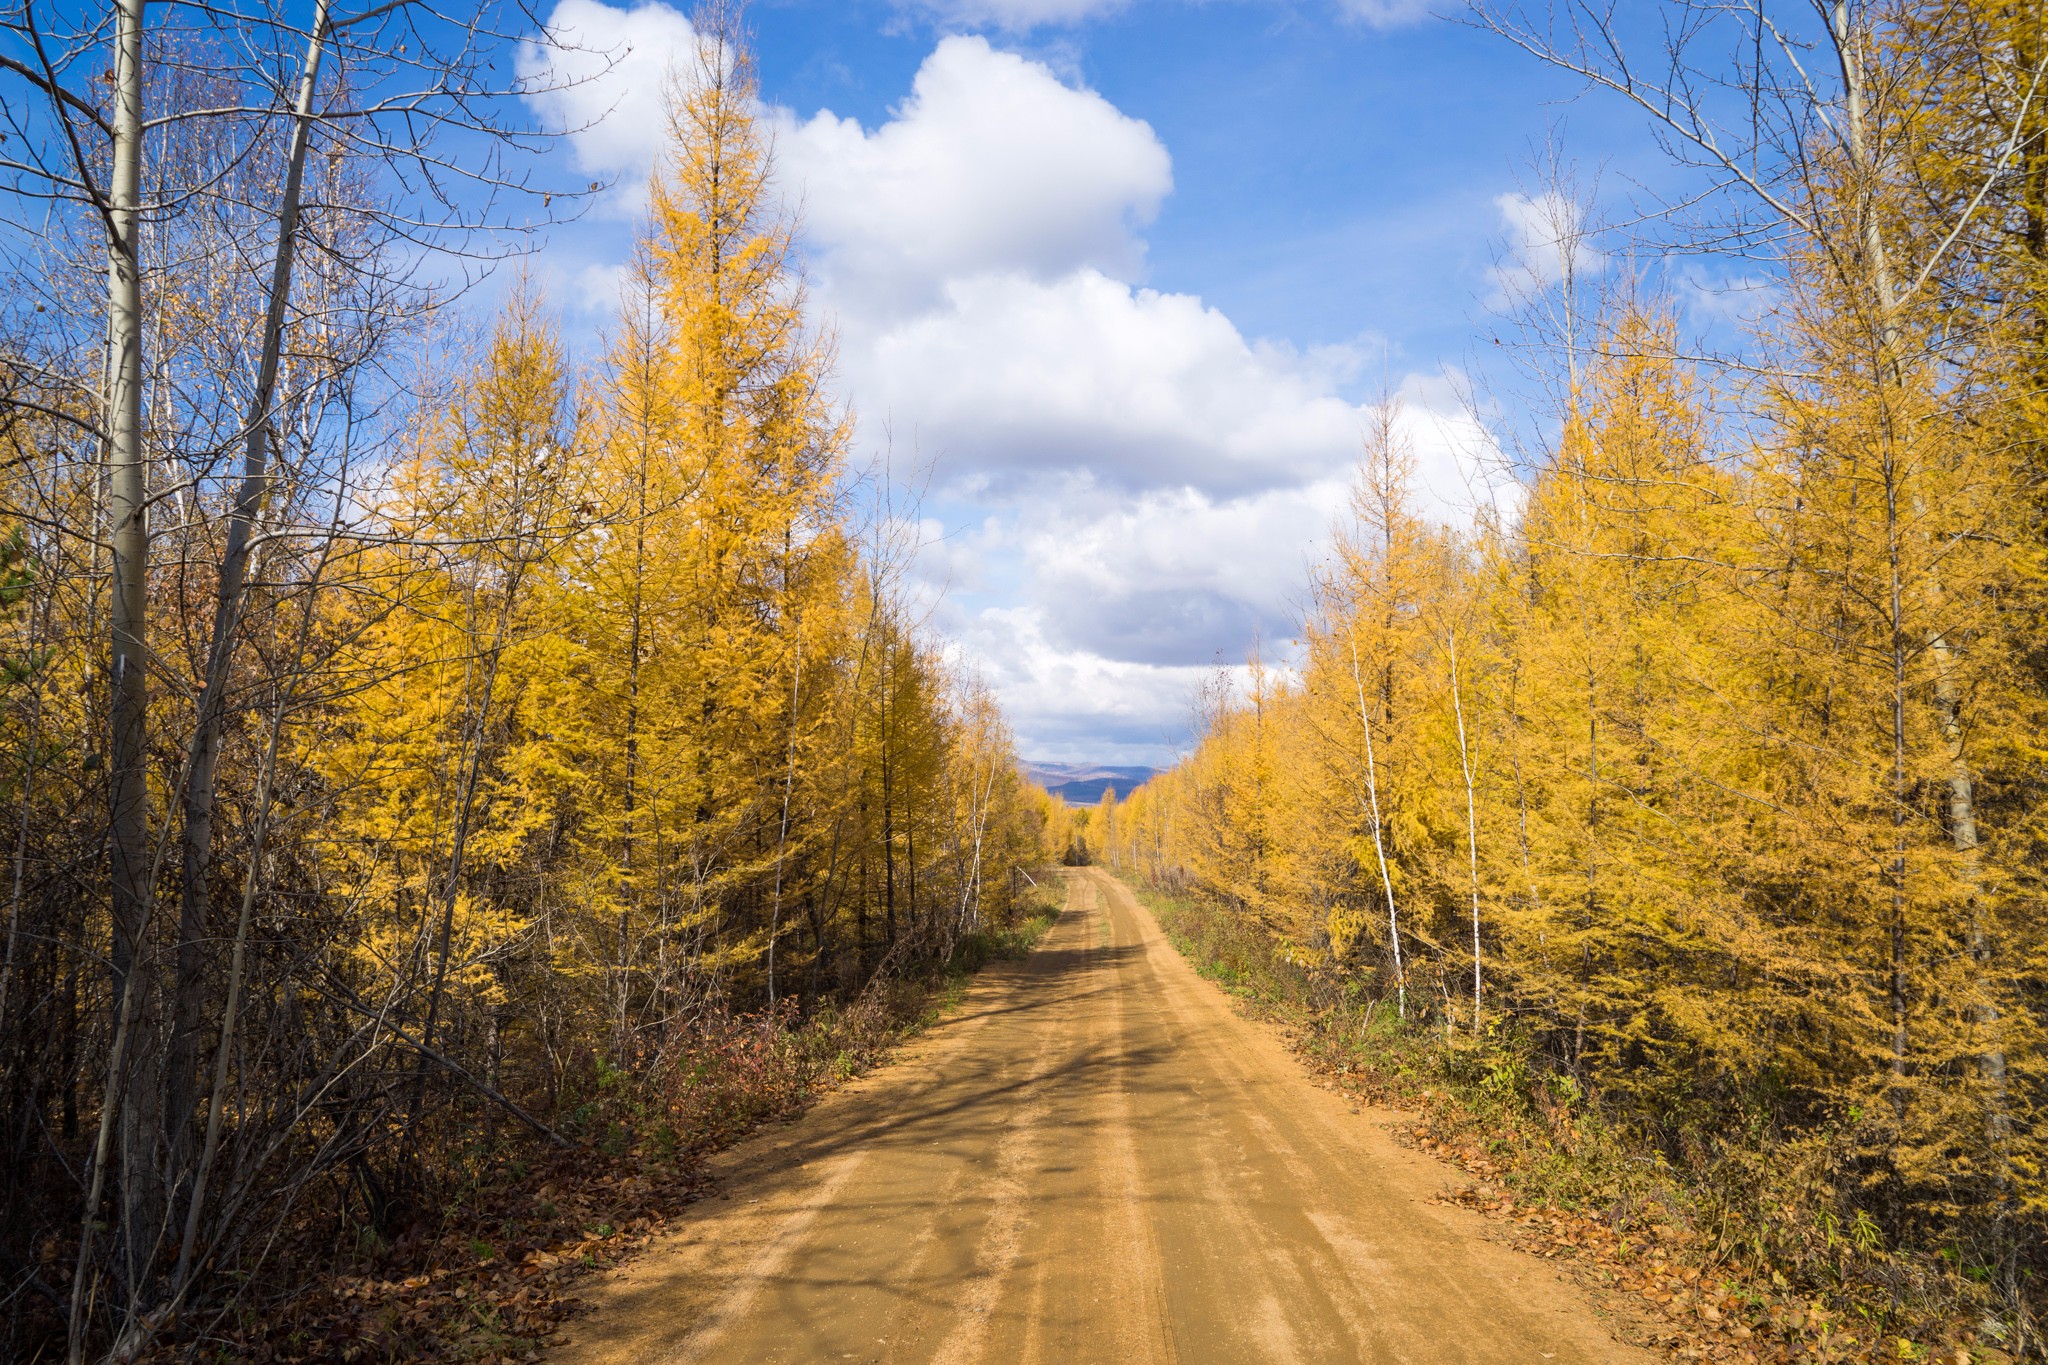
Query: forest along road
point(1094, 1159)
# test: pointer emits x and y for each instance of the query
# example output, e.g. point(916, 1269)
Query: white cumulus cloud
point(1073, 704)
point(1548, 238)
point(1009, 379)
point(1129, 486)
point(601, 78)
point(992, 164)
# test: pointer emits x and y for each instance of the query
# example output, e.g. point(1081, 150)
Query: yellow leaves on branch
point(640, 730)
point(1740, 718)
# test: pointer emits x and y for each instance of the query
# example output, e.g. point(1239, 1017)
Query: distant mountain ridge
point(1082, 784)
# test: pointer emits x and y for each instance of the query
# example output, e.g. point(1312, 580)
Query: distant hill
point(1082, 784)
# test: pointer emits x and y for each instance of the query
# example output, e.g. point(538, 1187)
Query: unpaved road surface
point(1094, 1159)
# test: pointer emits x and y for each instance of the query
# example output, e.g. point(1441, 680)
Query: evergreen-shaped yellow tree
point(715, 599)
point(450, 759)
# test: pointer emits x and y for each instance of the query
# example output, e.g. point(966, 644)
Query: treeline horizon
point(421, 751)
point(1710, 782)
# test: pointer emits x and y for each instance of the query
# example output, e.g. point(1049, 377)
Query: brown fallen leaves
point(485, 1288)
point(1650, 1268)
point(1659, 1275)
point(1661, 1279)
point(487, 1278)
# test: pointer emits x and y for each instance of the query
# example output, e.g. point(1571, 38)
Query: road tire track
point(1095, 1158)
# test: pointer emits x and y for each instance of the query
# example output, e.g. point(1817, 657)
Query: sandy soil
point(1095, 1159)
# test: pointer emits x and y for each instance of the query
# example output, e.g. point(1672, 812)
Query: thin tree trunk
point(1895, 605)
point(216, 1105)
point(1846, 40)
point(888, 804)
point(1379, 847)
point(634, 632)
point(134, 1093)
point(1962, 812)
point(18, 877)
point(1471, 824)
point(83, 1281)
point(788, 785)
point(465, 809)
point(266, 779)
point(189, 984)
point(970, 892)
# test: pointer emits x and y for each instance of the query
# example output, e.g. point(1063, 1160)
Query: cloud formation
point(1547, 238)
point(1076, 704)
point(991, 166)
point(1013, 15)
point(1388, 13)
point(601, 79)
point(980, 252)
point(1010, 379)
point(1128, 488)
point(1018, 16)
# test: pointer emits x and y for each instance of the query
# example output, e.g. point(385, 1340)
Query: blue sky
point(1130, 280)
point(1331, 177)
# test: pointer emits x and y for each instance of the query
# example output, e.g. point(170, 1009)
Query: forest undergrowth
point(1725, 1251)
point(490, 1269)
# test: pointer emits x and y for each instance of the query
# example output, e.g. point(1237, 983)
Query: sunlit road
point(1094, 1159)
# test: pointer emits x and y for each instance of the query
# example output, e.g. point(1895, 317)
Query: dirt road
point(1094, 1159)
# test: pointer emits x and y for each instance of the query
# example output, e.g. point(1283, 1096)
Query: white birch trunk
point(1379, 847)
